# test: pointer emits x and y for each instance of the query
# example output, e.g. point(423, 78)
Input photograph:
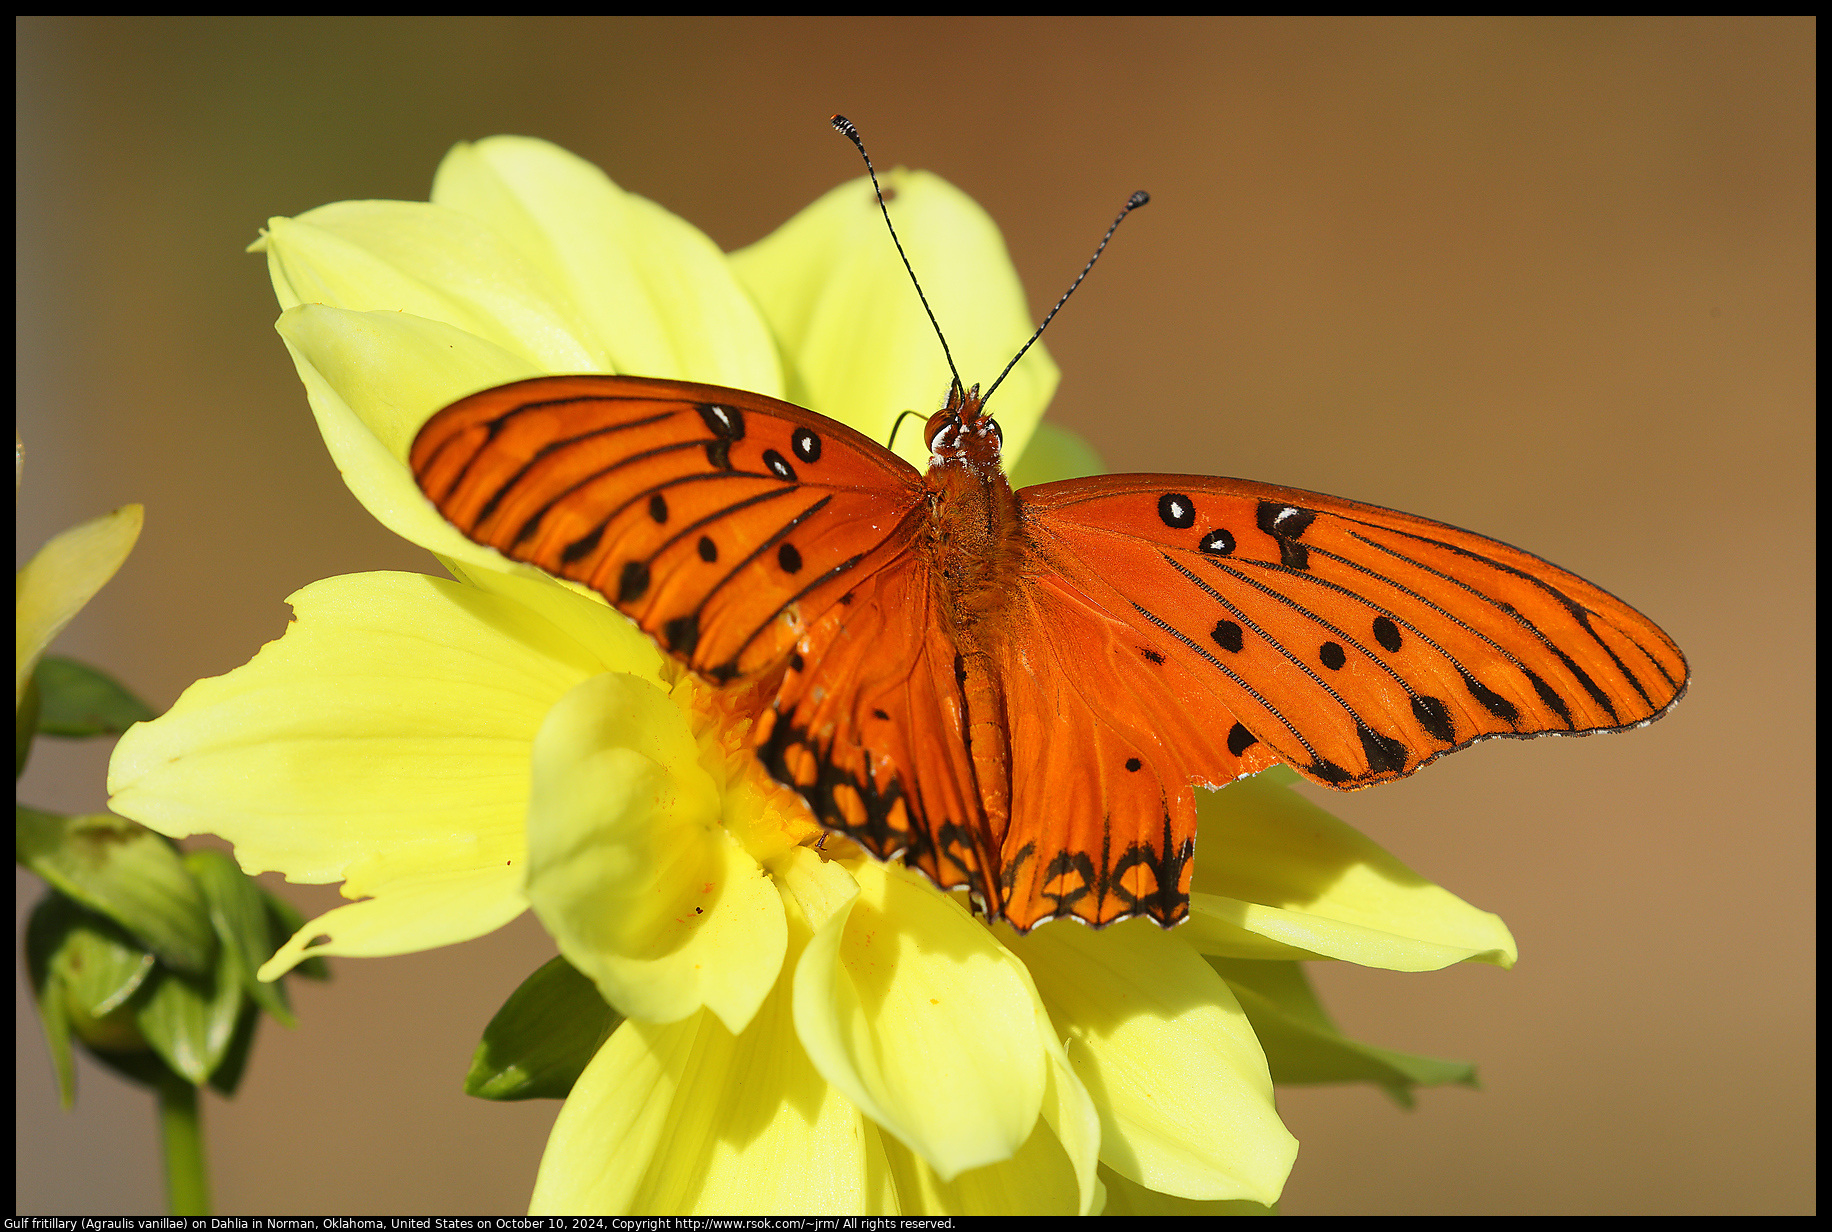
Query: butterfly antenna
point(845, 126)
point(1132, 203)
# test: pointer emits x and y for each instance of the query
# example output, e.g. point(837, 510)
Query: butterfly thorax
point(973, 541)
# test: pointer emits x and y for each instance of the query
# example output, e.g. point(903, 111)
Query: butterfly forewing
point(720, 521)
point(1356, 642)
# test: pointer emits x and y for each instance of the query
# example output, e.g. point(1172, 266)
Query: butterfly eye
point(998, 433)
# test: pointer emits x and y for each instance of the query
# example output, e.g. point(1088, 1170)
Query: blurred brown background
point(1550, 280)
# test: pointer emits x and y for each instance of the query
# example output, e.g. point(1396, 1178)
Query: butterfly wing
point(869, 725)
point(747, 536)
point(1173, 630)
point(722, 522)
point(1107, 733)
point(1355, 642)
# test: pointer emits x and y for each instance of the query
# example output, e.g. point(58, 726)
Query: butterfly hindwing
point(868, 725)
point(720, 521)
point(1356, 642)
point(1104, 750)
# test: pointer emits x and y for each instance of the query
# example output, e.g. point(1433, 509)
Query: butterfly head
point(963, 430)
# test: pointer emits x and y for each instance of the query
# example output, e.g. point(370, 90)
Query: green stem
point(187, 1182)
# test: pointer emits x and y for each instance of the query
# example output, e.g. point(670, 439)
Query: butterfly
point(1016, 691)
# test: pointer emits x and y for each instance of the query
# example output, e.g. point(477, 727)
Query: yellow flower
point(805, 1029)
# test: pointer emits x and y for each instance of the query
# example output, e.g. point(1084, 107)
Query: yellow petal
point(373, 378)
point(685, 1118)
point(1168, 1058)
point(629, 868)
point(1038, 1180)
point(1287, 880)
point(1126, 1197)
point(61, 578)
point(409, 913)
point(657, 294)
point(857, 345)
point(923, 1020)
point(431, 262)
point(385, 738)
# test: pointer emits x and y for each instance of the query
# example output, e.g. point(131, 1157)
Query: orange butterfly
point(1015, 691)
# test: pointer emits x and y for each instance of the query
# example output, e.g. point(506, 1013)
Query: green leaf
point(239, 914)
point(50, 921)
point(541, 1039)
point(78, 700)
point(1054, 453)
point(126, 872)
point(190, 1020)
point(286, 920)
point(25, 726)
point(1304, 1047)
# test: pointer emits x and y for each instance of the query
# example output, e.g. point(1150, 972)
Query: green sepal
point(190, 1020)
point(78, 700)
point(145, 1068)
point(99, 964)
point(239, 915)
point(1303, 1045)
point(44, 932)
point(126, 872)
point(541, 1039)
point(25, 726)
point(286, 920)
point(1054, 453)
point(228, 1074)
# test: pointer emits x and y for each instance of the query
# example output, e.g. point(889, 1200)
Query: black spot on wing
point(778, 466)
point(1384, 753)
point(1286, 524)
point(789, 558)
point(1550, 696)
point(1434, 716)
point(709, 551)
point(1491, 701)
point(1240, 740)
point(1151, 655)
point(1330, 772)
point(1227, 635)
point(1332, 656)
point(1217, 542)
point(1176, 511)
point(724, 422)
point(633, 582)
point(1133, 764)
point(658, 507)
point(1386, 633)
point(582, 547)
point(806, 444)
point(682, 634)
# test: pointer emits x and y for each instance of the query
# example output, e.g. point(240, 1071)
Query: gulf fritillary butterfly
point(1016, 691)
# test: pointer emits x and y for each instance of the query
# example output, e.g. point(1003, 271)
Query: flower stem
point(187, 1182)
